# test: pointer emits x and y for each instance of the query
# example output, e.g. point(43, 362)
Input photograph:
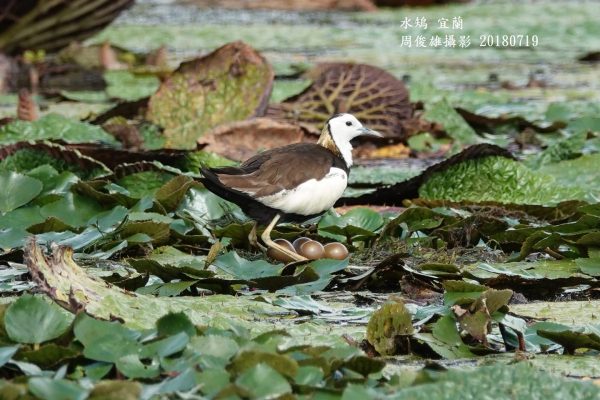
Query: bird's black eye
point(348, 123)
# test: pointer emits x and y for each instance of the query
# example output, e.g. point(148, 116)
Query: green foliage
point(358, 224)
point(497, 179)
point(505, 381)
point(144, 183)
point(18, 190)
point(386, 325)
point(203, 362)
point(54, 127)
point(25, 160)
point(32, 319)
point(227, 85)
point(139, 235)
point(565, 149)
point(127, 86)
point(199, 159)
point(456, 127)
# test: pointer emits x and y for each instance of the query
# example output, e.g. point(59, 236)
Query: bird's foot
point(253, 239)
point(266, 238)
point(291, 254)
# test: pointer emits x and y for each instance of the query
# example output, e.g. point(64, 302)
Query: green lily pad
point(391, 320)
point(497, 179)
point(505, 381)
point(105, 341)
point(127, 86)
point(241, 268)
point(263, 381)
point(56, 389)
point(357, 224)
point(31, 319)
point(571, 313)
point(18, 190)
point(48, 355)
point(54, 127)
point(6, 353)
point(144, 183)
point(456, 127)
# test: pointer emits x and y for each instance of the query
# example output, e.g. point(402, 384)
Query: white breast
point(311, 197)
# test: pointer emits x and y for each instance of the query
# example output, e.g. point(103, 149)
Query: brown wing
point(275, 170)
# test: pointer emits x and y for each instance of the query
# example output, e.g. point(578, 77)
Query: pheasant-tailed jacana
point(291, 183)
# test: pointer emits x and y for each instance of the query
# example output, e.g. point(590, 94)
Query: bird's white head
point(341, 129)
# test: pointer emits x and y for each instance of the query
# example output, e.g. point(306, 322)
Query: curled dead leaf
point(26, 109)
point(108, 57)
point(158, 57)
point(128, 134)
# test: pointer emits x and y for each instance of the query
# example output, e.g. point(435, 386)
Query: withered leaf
point(232, 83)
point(375, 97)
point(243, 139)
point(27, 109)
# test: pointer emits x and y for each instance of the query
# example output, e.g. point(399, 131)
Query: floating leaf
point(392, 320)
point(241, 268)
point(174, 323)
point(49, 355)
point(454, 125)
point(25, 157)
point(31, 319)
point(410, 189)
point(53, 127)
point(103, 340)
point(375, 97)
point(56, 389)
point(172, 192)
point(355, 225)
point(6, 353)
point(74, 289)
point(243, 139)
point(127, 86)
point(232, 83)
point(505, 381)
point(17, 190)
point(496, 179)
point(144, 183)
point(263, 381)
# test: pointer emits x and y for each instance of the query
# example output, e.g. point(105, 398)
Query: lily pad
point(496, 179)
point(54, 127)
point(232, 83)
point(18, 190)
point(375, 97)
point(390, 321)
point(31, 319)
point(355, 225)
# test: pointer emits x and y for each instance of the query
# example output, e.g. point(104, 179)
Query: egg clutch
point(308, 248)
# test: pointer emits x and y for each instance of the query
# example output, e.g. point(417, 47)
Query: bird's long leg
point(266, 238)
point(253, 238)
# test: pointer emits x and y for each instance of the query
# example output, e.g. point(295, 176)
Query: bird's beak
point(369, 132)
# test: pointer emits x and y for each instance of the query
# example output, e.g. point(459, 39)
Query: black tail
point(261, 213)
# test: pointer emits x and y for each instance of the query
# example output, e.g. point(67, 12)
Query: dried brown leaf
point(241, 140)
point(26, 109)
point(108, 57)
point(374, 96)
